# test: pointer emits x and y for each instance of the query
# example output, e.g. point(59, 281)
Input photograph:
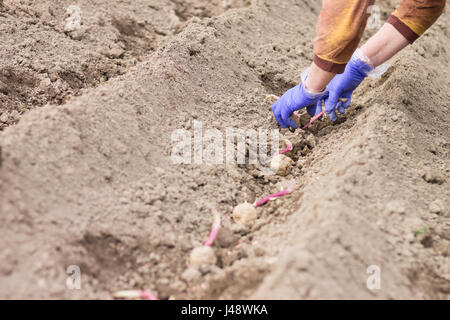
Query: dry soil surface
point(86, 176)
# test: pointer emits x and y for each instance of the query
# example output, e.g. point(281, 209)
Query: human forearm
point(384, 45)
point(410, 20)
point(413, 17)
point(339, 30)
point(318, 79)
point(390, 39)
point(342, 22)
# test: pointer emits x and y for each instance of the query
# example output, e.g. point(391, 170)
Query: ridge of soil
point(42, 63)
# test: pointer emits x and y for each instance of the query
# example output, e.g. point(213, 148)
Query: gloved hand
point(343, 85)
point(295, 99)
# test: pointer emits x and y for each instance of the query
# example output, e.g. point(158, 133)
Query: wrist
point(312, 94)
point(362, 62)
point(317, 80)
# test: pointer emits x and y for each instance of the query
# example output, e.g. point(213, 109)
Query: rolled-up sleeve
point(341, 25)
point(413, 17)
point(339, 30)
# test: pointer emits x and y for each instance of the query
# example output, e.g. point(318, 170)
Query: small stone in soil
point(178, 286)
point(226, 238)
point(433, 176)
point(116, 53)
point(437, 207)
point(259, 252)
point(395, 207)
point(4, 117)
point(191, 275)
point(240, 229)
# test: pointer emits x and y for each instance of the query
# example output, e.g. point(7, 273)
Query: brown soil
point(88, 180)
point(41, 63)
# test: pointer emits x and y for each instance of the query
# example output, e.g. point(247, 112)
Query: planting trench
point(90, 182)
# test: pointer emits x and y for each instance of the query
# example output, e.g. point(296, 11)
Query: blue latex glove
point(343, 85)
point(295, 99)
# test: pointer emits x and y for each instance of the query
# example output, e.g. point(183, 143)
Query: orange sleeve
point(342, 22)
point(413, 17)
point(339, 30)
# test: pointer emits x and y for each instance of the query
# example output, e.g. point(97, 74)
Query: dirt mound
point(91, 183)
point(44, 61)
